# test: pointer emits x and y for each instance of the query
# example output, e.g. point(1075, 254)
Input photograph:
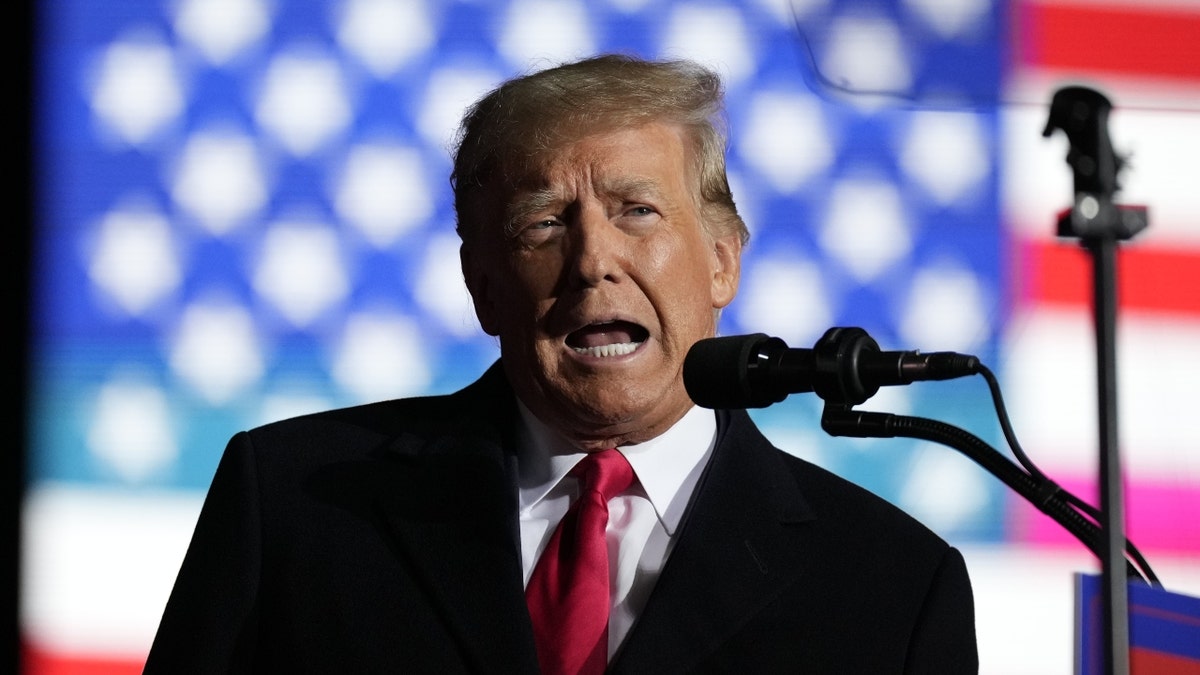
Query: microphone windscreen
point(716, 372)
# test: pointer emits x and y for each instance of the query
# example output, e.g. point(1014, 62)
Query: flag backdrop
point(243, 213)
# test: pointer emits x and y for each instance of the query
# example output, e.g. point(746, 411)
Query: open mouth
point(611, 338)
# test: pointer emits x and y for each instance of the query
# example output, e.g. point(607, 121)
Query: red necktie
point(568, 593)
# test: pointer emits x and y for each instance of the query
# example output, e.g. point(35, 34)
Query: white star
point(137, 90)
point(221, 28)
point(135, 259)
point(292, 399)
point(713, 34)
point(131, 430)
point(304, 101)
point(383, 192)
point(944, 490)
point(952, 18)
point(385, 34)
point(946, 153)
point(547, 32)
point(786, 298)
point(946, 310)
point(440, 289)
point(450, 91)
point(381, 355)
point(216, 351)
point(866, 56)
point(786, 139)
point(865, 228)
point(219, 180)
point(300, 271)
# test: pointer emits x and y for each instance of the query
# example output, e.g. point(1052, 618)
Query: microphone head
point(717, 371)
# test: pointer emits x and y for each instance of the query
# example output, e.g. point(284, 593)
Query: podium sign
point(1164, 630)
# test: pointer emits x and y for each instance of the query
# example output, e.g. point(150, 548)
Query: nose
point(597, 248)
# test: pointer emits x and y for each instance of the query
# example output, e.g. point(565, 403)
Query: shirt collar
point(667, 466)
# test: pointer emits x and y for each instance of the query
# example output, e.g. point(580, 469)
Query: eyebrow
point(626, 187)
point(528, 204)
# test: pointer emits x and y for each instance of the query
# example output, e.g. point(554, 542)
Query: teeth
point(618, 349)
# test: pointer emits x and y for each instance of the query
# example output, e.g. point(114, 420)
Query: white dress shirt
point(642, 520)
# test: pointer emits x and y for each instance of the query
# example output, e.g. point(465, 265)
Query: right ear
point(479, 287)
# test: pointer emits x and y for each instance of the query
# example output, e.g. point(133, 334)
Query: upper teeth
point(617, 349)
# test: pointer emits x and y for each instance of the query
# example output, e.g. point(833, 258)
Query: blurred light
point(945, 310)
point(216, 351)
point(219, 180)
point(301, 270)
point(97, 566)
point(303, 102)
point(134, 260)
point(628, 6)
point(448, 94)
point(713, 34)
point(953, 19)
point(792, 10)
point(545, 33)
point(944, 490)
point(222, 28)
point(865, 54)
point(785, 298)
point(786, 139)
point(382, 356)
point(1052, 361)
point(441, 291)
point(292, 400)
point(1158, 376)
point(386, 34)
point(865, 228)
point(131, 431)
point(138, 90)
point(384, 192)
point(946, 153)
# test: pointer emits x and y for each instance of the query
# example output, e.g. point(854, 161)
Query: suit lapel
point(735, 553)
point(453, 518)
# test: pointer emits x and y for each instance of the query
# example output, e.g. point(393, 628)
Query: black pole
point(1115, 581)
point(1100, 224)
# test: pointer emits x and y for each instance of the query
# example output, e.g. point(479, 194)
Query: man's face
point(598, 276)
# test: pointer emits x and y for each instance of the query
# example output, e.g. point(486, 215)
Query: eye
point(640, 218)
point(538, 232)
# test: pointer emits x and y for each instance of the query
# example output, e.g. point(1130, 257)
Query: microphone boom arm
point(1047, 496)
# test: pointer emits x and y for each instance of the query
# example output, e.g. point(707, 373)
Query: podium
point(1164, 630)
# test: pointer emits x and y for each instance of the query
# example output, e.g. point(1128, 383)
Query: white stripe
point(1025, 604)
point(97, 566)
point(1049, 383)
point(1161, 173)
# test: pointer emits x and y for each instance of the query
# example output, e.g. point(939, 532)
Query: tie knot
point(606, 472)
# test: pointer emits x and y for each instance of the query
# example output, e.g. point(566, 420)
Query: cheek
point(681, 286)
point(529, 284)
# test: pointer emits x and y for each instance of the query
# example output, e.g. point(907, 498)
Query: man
point(600, 241)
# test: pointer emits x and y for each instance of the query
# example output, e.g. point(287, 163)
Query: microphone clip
point(842, 375)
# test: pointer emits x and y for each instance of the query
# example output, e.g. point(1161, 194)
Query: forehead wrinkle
point(630, 188)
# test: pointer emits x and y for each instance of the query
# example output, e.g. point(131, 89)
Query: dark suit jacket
point(384, 539)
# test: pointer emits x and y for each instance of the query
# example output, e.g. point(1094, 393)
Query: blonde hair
point(509, 129)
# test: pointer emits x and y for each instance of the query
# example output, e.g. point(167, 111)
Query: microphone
point(845, 367)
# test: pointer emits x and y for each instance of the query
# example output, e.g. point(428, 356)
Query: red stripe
point(1147, 661)
point(1148, 279)
point(1159, 517)
point(35, 661)
point(1126, 40)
